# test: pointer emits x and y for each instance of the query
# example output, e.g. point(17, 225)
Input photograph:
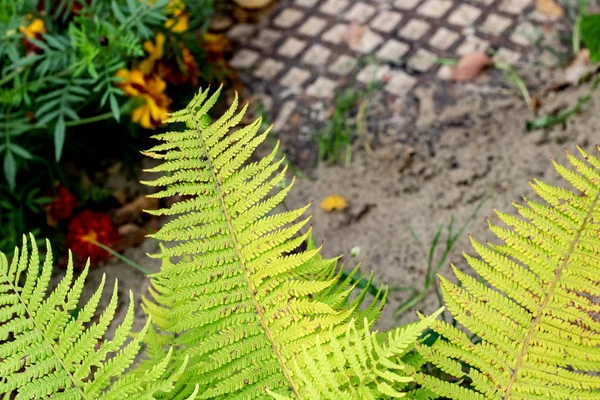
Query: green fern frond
point(538, 317)
point(240, 300)
point(46, 351)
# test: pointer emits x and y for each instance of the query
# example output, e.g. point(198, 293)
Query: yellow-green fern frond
point(234, 293)
point(48, 350)
point(536, 322)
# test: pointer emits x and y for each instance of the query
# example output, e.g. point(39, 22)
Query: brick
point(435, 8)
point(372, 72)
point(360, 12)
point(525, 34)
point(268, 69)
point(406, 4)
point(295, 77)
point(266, 39)
point(400, 83)
point(472, 44)
point(334, 7)
point(306, 3)
point(322, 88)
point(495, 24)
point(241, 32)
point(368, 43)
point(284, 114)
point(443, 38)
point(335, 34)
point(386, 21)
point(244, 58)
point(291, 47)
point(414, 29)
point(514, 6)
point(464, 15)
point(313, 26)
point(316, 55)
point(422, 60)
point(343, 65)
point(507, 56)
point(392, 50)
point(288, 17)
point(445, 72)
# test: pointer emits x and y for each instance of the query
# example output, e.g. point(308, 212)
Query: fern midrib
point(49, 343)
point(544, 304)
point(259, 309)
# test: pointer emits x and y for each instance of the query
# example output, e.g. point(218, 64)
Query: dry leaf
point(133, 211)
point(353, 35)
point(549, 8)
point(578, 68)
point(334, 202)
point(470, 66)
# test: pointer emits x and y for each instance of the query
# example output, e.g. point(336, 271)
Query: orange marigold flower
point(88, 228)
point(61, 207)
point(155, 53)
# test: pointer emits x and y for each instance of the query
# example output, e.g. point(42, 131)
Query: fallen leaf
point(578, 68)
point(549, 8)
point(469, 66)
point(133, 211)
point(353, 34)
point(334, 202)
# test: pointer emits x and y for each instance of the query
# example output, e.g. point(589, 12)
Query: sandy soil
point(457, 154)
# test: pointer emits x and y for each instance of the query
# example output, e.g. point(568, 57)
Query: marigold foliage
point(537, 319)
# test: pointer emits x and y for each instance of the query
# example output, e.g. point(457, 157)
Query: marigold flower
point(180, 20)
point(34, 30)
point(188, 72)
point(61, 207)
point(155, 53)
point(87, 228)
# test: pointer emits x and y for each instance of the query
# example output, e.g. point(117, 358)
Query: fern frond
point(48, 351)
point(242, 302)
point(538, 316)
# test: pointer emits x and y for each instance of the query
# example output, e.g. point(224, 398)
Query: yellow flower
point(155, 105)
point(334, 202)
point(155, 53)
point(34, 29)
point(180, 20)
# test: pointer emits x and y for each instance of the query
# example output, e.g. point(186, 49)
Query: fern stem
point(534, 324)
point(259, 309)
point(121, 257)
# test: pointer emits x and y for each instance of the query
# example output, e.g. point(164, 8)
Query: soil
point(418, 176)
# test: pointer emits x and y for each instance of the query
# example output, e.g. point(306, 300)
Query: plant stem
point(121, 257)
point(96, 118)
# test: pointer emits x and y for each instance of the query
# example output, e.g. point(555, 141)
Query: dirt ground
point(458, 154)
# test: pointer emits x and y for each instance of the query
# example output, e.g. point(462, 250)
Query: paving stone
point(400, 83)
point(268, 69)
point(313, 26)
point(386, 21)
point(504, 55)
point(266, 39)
point(322, 88)
point(343, 65)
point(414, 29)
point(368, 43)
point(316, 55)
point(284, 114)
point(335, 34)
point(514, 6)
point(464, 15)
point(435, 8)
point(392, 50)
point(291, 47)
point(484, 2)
point(241, 31)
point(495, 24)
point(406, 4)
point(525, 34)
point(472, 44)
point(360, 12)
point(295, 77)
point(422, 60)
point(288, 18)
point(334, 7)
point(443, 38)
point(306, 3)
point(372, 72)
point(244, 59)
point(445, 72)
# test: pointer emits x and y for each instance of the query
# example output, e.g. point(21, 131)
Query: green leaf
point(114, 107)
point(590, 33)
point(10, 169)
point(59, 137)
point(18, 150)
